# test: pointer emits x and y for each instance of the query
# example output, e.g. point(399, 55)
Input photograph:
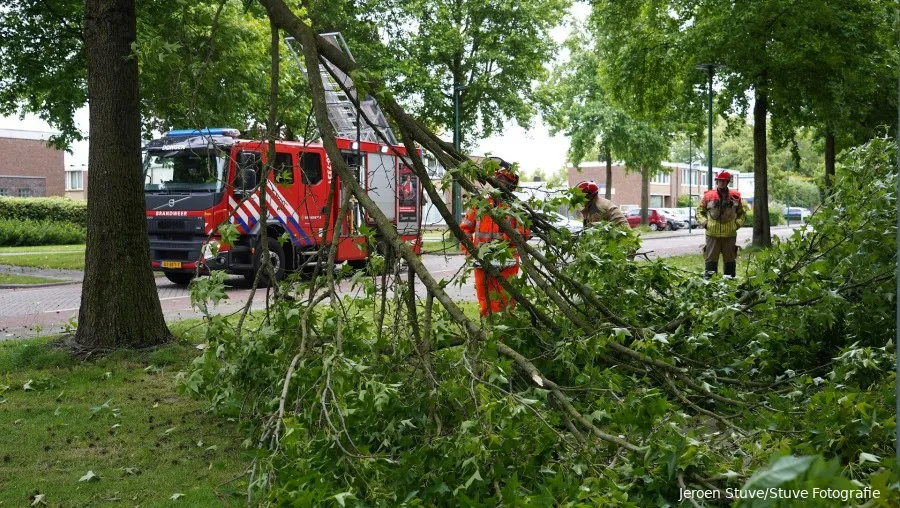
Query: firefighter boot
point(730, 268)
point(711, 268)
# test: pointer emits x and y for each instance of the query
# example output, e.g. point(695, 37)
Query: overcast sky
point(532, 149)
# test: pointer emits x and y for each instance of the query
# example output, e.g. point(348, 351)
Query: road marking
point(60, 310)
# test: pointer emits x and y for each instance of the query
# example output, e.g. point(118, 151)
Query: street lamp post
point(711, 69)
point(690, 175)
point(787, 196)
point(457, 194)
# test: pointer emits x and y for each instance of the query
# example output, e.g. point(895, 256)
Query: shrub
point(796, 192)
point(44, 209)
point(685, 200)
point(28, 232)
point(776, 216)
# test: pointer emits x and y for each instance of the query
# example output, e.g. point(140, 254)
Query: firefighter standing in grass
point(597, 208)
point(722, 214)
point(492, 298)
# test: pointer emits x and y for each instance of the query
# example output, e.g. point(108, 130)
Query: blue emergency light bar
point(219, 131)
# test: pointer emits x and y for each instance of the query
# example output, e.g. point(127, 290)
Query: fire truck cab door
point(311, 189)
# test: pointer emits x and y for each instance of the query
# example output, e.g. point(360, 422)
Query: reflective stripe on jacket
point(722, 214)
point(483, 229)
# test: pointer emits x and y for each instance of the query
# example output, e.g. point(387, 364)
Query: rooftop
point(23, 134)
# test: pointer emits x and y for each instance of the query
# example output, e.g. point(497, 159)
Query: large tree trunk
point(829, 161)
point(645, 193)
point(762, 236)
point(608, 175)
point(119, 303)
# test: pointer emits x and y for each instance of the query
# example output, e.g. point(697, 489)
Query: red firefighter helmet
point(724, 175)
point(590, 189)
point(506, 174)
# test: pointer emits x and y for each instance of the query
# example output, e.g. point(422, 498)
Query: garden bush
point(17, 232)
point(44, 209)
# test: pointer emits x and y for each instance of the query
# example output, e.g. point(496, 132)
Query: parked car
point(797, 214)
point(687, 215)
point(560, 221)
point(674, 221)
point(655, 219)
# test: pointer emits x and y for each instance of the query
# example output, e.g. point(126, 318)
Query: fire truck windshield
point(185, 171)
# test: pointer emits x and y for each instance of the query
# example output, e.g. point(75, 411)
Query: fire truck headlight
point(210, 250)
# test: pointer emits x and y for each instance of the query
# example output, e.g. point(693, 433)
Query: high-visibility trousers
point(491, 294)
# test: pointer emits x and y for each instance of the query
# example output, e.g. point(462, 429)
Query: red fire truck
point(197, 180)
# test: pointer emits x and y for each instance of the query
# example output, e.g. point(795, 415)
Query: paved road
point(666, 244)
point(29, 311)
point(32, 311)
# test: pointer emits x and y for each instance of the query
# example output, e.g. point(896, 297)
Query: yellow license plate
point(171, 264)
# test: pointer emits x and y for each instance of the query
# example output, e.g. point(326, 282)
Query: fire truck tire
point(276, 254)
point(357, 264)
point(180, 278)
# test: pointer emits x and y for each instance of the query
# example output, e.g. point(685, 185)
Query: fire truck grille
point(175, 255)
point(170, 225)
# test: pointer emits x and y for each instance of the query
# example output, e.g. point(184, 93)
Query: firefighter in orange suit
point(721, 212)
point(492, 298)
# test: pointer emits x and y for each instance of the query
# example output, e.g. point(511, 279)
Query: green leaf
point(783, 470)
point(475, 476)
point(89, 477)
point(868, 457)
point(342, 497)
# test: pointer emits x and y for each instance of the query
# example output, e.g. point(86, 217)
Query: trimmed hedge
point(60, 210)
point(776, 217)
point(14, 233)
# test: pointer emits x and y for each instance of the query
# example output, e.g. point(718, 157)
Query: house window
point(4, 192)
point(689, 177)
point(662, 178)
point(74, 180)
point(24, 193)
point(656, 201)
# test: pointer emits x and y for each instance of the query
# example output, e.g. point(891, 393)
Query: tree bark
point(829, 161)
point(762, 236)
point(608, 175)
point(119, 303)
point(645, 194)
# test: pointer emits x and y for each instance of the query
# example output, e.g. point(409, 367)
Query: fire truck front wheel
point(276, 254)
point(180, 278)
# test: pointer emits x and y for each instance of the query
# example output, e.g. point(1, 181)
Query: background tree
point(119, 303)
point(204, 64)
point(575, 102)
point(803, 60)
point(494, 50)
point(44, 70)
point(201, 63)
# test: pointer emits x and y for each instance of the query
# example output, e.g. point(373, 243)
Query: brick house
point(28, 167)
point(676, 180)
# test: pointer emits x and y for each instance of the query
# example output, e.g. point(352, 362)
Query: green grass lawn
point(43, 248)
point(120, 418)
point(68, 257)
point(694, 262)
point(66, 260)
point(9, 278)
point(439, 246)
